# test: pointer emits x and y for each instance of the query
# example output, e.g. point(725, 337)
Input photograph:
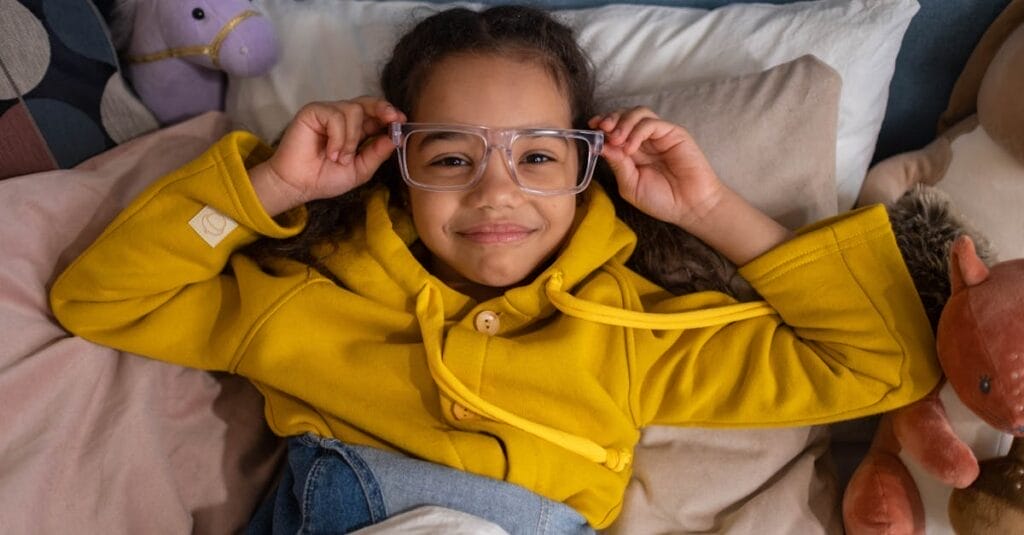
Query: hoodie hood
point(378, 264)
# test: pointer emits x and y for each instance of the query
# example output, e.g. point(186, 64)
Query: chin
point(499, 281)
point(497, 274)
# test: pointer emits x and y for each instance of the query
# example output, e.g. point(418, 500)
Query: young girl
point(428, 277)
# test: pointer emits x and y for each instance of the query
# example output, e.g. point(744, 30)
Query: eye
point(536, 158)
point(985, 385)
point(450, 161)
point(198, 14)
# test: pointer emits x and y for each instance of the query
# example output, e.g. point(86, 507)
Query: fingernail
point(346, 159)
point(334, 156)
point(617, 132)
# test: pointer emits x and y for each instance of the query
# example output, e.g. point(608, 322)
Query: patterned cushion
point(62, 97)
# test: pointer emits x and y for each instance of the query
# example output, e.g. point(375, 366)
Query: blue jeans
point(328, 486)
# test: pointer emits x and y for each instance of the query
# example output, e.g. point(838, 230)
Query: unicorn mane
point(122, 23)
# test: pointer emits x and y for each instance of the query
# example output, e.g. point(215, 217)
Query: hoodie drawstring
point(570, 305)
point(430, 313)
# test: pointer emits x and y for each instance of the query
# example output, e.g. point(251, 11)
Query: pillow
point(62, 97)
point(737, 121)
point(637, 50)
point(934, 51)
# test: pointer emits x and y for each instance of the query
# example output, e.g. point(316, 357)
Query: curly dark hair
point(665, 253)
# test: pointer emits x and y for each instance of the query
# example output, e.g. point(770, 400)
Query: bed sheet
point(94, 440)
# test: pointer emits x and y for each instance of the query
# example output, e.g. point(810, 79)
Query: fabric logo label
point(212, 226)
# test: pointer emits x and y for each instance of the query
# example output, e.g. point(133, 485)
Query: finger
point(606, 122)
point(658, 134)
point(618, 124)
point(624, 169)
point(387, 113)
point(352, 115)
point(628, 122)
point(312, 125)
point(336, 133)
point(378, 113)
point(595, 121)
point(371, 155)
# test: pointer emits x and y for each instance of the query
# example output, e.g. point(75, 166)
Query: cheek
point(431, 212)
point(560, 213)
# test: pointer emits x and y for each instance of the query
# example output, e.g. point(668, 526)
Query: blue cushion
point(62, 98)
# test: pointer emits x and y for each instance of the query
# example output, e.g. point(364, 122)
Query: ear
point(965, 267)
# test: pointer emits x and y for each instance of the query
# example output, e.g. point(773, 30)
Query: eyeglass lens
point(452, 159)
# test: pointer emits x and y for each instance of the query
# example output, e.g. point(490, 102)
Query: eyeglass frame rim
point(593, 138)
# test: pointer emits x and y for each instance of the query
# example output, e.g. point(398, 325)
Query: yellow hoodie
point(545, 386)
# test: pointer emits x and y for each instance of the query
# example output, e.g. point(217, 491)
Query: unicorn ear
point(965, 267)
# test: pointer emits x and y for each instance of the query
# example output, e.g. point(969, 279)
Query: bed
point(792, 101)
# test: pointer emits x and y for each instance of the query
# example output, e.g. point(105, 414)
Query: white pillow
point(335, 49)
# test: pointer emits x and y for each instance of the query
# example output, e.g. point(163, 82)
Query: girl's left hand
point(658, 166)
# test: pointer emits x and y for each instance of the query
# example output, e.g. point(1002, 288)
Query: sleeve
point(155, 283)
point(850, 339)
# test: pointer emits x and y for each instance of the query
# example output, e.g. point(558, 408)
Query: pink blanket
point(97, 441)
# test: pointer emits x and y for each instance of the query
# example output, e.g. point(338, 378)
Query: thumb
point(624, 169)
point(373, 153)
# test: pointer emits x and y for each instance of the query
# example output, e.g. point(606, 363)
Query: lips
point(495, 233)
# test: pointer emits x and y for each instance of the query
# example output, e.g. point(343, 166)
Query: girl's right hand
point(322, 155)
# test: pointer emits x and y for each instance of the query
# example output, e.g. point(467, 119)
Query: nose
point(497, 187)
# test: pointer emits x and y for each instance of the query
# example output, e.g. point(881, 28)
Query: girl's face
point(495, 234)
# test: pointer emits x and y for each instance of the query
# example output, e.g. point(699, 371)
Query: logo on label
point(212, 226)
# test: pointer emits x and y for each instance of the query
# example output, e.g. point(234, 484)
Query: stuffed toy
point(179, 54)
point(924, 451)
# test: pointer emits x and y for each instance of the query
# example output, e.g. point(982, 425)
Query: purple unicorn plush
point(180, 52)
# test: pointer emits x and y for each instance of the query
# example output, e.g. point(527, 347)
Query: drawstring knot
point(618, 459)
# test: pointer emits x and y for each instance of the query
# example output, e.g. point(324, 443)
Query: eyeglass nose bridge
point(498, 138)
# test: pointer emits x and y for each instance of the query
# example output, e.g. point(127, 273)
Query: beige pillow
point(769, 135)
point(772, 137)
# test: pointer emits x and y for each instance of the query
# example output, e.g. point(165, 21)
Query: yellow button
point(462, 413)
point(487, 322)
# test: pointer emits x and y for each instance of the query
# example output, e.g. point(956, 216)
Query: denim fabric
point(331, 487)
point(322, 490)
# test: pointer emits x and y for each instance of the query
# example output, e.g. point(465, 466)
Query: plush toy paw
point(882, 498)
point(925, 434)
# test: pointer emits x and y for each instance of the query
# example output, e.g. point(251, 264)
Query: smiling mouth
point(496, 233)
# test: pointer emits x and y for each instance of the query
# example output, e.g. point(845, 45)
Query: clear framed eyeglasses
point(452, 157)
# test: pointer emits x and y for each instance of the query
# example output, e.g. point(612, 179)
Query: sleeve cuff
point(236, 153)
